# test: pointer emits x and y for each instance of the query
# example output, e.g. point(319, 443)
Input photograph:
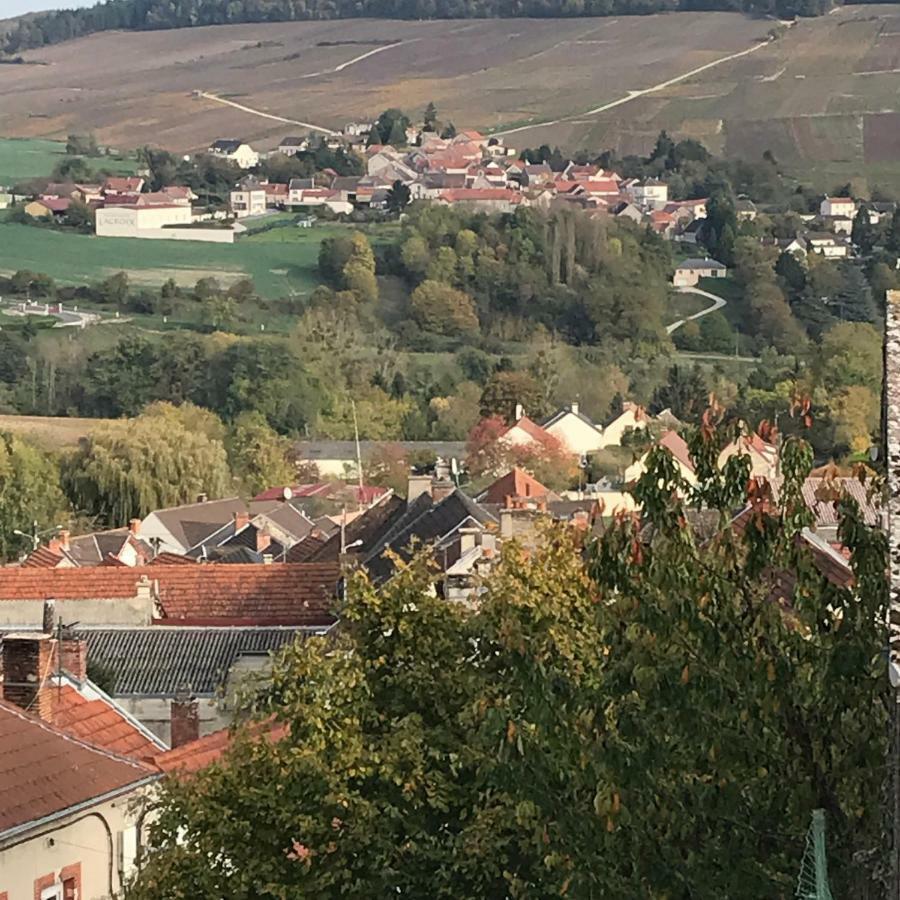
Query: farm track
point(634, 95)
point(717, 303)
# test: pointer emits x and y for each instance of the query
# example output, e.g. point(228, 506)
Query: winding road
point(717, 303)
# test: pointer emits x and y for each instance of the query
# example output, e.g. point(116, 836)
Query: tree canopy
point(653, 714)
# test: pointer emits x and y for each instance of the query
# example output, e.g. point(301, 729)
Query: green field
point(281, 262)
point(21, 160)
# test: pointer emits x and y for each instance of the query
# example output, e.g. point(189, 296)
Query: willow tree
point(162, 458)
point(648, 716)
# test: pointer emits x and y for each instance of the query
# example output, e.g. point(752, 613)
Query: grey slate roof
point(425, 524)
point(698, 263)
point(226, 145)
point(158, 660)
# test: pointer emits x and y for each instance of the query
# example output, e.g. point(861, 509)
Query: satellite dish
point(286, 493)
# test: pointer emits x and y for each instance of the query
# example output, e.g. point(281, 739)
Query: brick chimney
point(73, 657)
point(263, 539)
point(241, 520)
point(134, 526)
point(185, 720)
point(29, 661)
point(441, 490)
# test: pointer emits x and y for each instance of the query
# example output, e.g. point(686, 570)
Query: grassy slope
point(23, 159)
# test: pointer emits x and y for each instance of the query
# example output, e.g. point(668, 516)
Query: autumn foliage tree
point(443, 309)
point(656, 717)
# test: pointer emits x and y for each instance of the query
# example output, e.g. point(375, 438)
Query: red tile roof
point(515, 483)
point(209, 749)
point(124, 185)
point(534, 431)
point(247, 593)
point(43, 558)
point(676, 445)
point(98, 722)
point(600, 186)
point(167, 558)
point(55, 205)
point(44, 771)
point(463, 195)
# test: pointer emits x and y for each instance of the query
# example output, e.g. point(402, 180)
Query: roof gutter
point(36, 824)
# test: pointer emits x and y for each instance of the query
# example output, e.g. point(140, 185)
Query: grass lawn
point(21, 159)
point(682, 306)
point(280, 265)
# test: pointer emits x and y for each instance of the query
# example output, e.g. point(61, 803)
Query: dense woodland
point(140, 15)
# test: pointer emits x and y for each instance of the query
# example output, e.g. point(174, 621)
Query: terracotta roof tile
point(515, 483)
point(45, 771)
point(288, 594)
point(43, 558)
point(676, 445)
point(534, 431)
point(98, 722)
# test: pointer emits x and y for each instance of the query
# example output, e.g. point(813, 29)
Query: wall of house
point(137, 610)
point(615, 431)
point(576, 434)
point(78, 847)
point(204, 235)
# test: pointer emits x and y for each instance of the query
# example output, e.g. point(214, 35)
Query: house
point(235, 151)
point(118, 546)
point(627, 210)
point(690, 271)
point(181, 528)
point(763, 455)
point(337, 459)
point(676, 446)
point(290, 146)
point(48, 208)
point(173, 594)
point(745, 210)
point(649, 194)
point(516, 488)
point(248, 198)
point(180, 195)
point(525, 431)
point(828, 245)
point(69, 824)
point(694, 232)
point(483, 199)
point(573, 429)
point(842, 225)
point(130, 184)
point(632, 418)
point(837, 206)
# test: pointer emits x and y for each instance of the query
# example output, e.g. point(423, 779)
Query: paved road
point(717, 303)
point(66, 318)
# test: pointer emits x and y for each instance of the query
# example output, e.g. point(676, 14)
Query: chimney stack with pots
point(134, 526)
point(441, 490)
point(60, 541)
point(416, 486)
point(185, 719)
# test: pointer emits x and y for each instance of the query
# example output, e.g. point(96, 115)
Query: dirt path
point(633, 95)
point(339, 68)
point(717, 303)
point(265, 115)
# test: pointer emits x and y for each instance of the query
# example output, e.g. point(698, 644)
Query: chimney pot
point(185, 720)
point(520, 411)
point(575, 407)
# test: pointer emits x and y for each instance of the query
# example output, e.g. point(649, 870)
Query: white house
point(632, 418)
point(649, 194)
point(677, 448)
point(837, 206)
point(120, 221)
point(691, 271)
point(290, 146)
point(575, 430)
point(842, 225)
point(828, 245)
point(248, 199)
point(763, 455)
point(243, 155)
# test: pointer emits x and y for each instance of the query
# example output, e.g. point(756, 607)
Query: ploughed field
point(824, 97)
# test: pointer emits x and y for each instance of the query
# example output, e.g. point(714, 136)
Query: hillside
point(823, 98)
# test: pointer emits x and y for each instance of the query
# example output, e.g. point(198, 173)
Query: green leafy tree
point(862, 233)
point(505, 390)
point(433, 749)
point(29, 492)
point(429, 119)
point(442, 309)
point(398, 197)
point(122, 472)
point(257, 454)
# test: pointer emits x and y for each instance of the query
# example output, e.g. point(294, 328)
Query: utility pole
point(359, 469)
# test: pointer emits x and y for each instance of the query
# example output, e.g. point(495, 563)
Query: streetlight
point(35, 536)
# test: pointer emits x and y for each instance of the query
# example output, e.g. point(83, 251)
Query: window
point(54, 892)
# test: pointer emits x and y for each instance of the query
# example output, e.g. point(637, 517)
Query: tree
point(449, 132)
point(390, 128)
point(853, 301)
point(849, 354)
point(444, 750)
point(29, 492)
point(82, 145)
point(863, 234)
point(398, 197)
point(855, 412)
point(258, 456)
point(442, 309)
point(504, 391)
point(684, 393)
point(123, 472)
point(429, 120)
point(455, 415)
